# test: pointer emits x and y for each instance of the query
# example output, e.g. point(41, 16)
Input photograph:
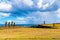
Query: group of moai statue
point(8, 24)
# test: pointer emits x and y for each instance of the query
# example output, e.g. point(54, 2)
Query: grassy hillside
point(57, 25)
point(29, 34)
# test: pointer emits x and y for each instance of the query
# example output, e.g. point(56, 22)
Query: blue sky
point(30, 11)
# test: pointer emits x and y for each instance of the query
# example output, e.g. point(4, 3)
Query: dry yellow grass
point(47, 24)
point(57, 26)
point(29, 33)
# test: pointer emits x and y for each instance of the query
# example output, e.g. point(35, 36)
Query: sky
point(30, 11)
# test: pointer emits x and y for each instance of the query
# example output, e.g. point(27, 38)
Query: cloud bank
point(30, 11)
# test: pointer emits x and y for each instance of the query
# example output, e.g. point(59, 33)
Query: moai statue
point(44, 22)
point(9, 24)
point(12, 23)
point(6, 24)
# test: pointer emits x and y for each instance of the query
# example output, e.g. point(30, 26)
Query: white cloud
point(39, 17)
point(28, 2)
point(5, 6)
point(45, 6)
point(44, 3)
point(25, 20)
point(52, 1)
point(58, 13)
point(40, 3)
point(23, 3)
point(4, 14)
point(21, 20)
point(36, 18)
point(9, 20)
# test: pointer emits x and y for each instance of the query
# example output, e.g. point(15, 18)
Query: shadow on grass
point(40, 26)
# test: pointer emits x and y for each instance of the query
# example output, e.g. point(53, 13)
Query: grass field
point(56, 26)
point(29, 34)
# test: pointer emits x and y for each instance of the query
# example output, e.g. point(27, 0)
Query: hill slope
point(29, 33)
